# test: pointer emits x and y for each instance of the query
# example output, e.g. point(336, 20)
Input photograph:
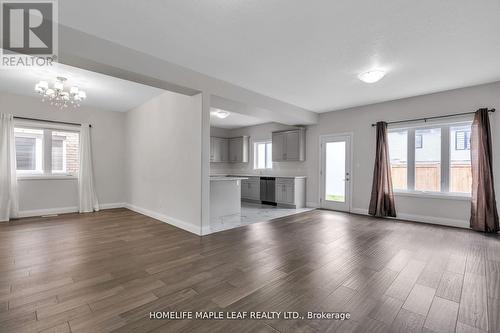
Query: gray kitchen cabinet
point(224, 144)
point(278, 143)
point(212, 149)
point(291, 192)
point(293, 146)
point(285, 191)
point(219, 149)
point(280, 193)
point(250, 189)
point(289, 145)
point(245, 189)
point(254, 189)
point(238, 149)
point(216, 153)
point(234, 150)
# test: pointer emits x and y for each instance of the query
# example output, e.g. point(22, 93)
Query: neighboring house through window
point(29, 147)
point(46, 151)
point(462, 140)
point(419, 141)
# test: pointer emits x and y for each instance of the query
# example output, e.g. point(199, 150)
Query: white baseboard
point(311, 204)
point(161, 217)
point(167, 219)
point(360, 211)
point(422, 218)
point(64, 210)
point(49, 211)
point(113, 205)
point(206, 231)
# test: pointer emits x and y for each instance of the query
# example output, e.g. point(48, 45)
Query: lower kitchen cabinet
point(291, 192)
point(250, 189)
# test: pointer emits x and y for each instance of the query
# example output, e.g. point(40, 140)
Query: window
point(263, 156)
point(441, 165)
point(46, 151)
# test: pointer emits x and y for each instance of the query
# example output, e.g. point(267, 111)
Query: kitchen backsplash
point(279, 169)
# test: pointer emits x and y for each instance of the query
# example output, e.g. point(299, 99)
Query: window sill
point(433, 195)
point(46, 177)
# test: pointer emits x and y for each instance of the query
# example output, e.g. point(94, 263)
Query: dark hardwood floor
point(106, 271)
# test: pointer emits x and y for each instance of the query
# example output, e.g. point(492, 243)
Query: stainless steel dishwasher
point(268, 190)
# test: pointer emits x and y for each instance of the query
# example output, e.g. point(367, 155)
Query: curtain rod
point(429, 118)
point(50, 121)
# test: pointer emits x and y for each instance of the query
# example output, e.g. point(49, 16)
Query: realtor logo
point(29, 32)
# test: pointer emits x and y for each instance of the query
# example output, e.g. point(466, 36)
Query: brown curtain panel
point(484, 215)
point(382, 199)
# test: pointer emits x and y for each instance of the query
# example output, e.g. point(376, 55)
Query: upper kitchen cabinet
point(234, 150)
point(238, 149)
point(289, 145)
point(219, 149)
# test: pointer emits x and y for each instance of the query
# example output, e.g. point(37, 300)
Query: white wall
point(358, 120)
point(256, 133)
point(57, 196)
point(163, 159)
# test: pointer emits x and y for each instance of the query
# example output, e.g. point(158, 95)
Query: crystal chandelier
point(57, 96)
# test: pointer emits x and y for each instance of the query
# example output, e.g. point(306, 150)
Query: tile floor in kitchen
point(253, 213)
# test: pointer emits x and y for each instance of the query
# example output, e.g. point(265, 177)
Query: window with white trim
point(263, 155)
point(46, 151)
point(431, 158)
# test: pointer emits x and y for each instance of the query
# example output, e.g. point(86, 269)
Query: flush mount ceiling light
point(57, 95)
point(221, 114)
point(371, 76)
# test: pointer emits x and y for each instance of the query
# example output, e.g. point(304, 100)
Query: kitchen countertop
point(224, 178)
point(248, 175)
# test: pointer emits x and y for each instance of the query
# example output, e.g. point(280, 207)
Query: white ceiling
point(103, 91)
point(234, 120)
point(308, 53)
